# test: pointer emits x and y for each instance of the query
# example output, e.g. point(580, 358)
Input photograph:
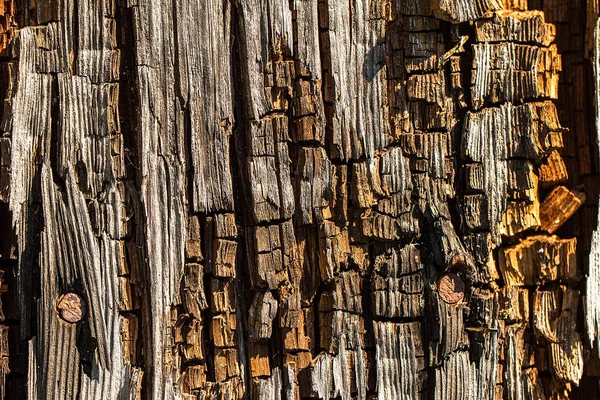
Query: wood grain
point(299, 199)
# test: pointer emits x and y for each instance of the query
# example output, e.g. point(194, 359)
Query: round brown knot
point(451, 288)
point(71, 307)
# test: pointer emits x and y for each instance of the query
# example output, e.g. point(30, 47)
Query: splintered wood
point(301, 199)
point(539, 259)
point(559, 206)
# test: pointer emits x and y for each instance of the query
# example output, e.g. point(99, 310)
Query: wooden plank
point(289, 200)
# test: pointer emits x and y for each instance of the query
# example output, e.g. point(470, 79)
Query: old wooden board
point(304, 199)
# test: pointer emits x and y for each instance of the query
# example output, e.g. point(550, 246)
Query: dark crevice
point(129, 124)
point(243, 219)
point(55, 139)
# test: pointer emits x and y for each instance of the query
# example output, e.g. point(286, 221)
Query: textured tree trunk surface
point(299, 199)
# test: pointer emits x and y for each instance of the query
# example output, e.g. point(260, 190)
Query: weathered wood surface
point(299, 199)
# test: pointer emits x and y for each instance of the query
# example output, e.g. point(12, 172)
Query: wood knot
point(451, 288)
point(463, 263)
point(71, 307)
point(460, 261)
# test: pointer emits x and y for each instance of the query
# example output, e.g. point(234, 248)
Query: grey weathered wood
point(592, 306)
point(272, 199)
